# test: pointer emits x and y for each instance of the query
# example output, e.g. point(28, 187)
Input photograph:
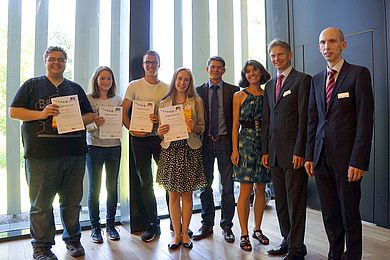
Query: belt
point(256, 124)
point(218, 137)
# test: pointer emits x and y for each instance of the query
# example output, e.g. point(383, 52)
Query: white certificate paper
point(174, 117)
point(69, 119)
point(112, 127)
point(139, 120)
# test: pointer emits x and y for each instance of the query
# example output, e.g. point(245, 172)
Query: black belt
point(218, 137)
point(251, 124)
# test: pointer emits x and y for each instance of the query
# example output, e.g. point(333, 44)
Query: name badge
point(343, 95)
point(286, 93)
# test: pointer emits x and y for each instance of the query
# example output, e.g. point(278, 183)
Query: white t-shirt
point(140, 89)
point(92, 130)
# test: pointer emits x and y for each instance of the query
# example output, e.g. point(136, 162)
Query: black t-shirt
point(39, 138)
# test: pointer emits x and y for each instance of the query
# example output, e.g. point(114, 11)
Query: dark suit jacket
point(228, 91)
point(285, 121)
point(344, 130)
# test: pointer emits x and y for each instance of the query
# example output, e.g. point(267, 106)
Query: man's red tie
point(278, 86)
point(330, 85)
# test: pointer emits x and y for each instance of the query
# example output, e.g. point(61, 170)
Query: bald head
point(331, 44)
point(333, 30)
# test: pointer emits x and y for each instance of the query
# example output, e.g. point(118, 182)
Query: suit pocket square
point(286, 93)
point(343, 95)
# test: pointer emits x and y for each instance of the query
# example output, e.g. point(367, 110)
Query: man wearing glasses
point(217, 98)
point(145, 145)
point(54, 163)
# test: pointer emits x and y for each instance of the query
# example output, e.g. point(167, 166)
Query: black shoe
point(75, 248)
point(43, 253)
point(203, 232)
point(112, 233)
point(173, 246)
point(190, 233)
point(228, 235)
point(96, 235)
point(188, 245)
point(151, 233)
point(293, 257)
point(281, 250)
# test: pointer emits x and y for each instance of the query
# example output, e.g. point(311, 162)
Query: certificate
point(174, 117)
point(112, 127)
point(69, 118)
point(139, 120)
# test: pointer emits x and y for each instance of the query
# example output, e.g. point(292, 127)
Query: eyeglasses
point(213, 67)
point(52, 59)
point(149, 62)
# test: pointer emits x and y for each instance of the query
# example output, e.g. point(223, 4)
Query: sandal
point(258, 234)
point(245, 244)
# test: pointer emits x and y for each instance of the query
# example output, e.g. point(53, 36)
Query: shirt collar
point(286, 72)
point(219, 84)
point(337, 67)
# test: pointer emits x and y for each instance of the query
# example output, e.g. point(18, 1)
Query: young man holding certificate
point(145, 143)
point(54, 163)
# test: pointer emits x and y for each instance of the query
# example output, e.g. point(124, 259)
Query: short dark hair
point(153, 53)
point(216, 58)
point(52, 49)
point(279, 42)
point(265, 76)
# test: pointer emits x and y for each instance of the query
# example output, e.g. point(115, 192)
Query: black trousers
point(340, 201)
point(290, 187)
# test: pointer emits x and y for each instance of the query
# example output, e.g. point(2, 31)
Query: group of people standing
point(294, 127)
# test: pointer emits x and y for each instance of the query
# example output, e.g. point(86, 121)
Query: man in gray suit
point(284, 140)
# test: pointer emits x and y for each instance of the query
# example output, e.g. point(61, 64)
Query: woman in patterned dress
point(246, 154)
point(180, 168)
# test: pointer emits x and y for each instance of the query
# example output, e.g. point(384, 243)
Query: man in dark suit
point(284, 140)
point(217, 97)
point(339, 134)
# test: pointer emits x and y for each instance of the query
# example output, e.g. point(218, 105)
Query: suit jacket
point(343, 131)
point(285, 120)
point(228, 91)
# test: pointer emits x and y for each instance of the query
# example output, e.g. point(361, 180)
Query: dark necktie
point(330, 85)
point(278, 86)
point(214, 111)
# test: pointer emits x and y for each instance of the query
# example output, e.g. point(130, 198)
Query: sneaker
point(75, 248)
point(43, 253)
point(151, 233)
point(96, 235)
point(112, 233)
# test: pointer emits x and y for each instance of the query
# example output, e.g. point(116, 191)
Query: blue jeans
point(97, 157)
point(221, 150)
point(143, 150)
point(46, 177)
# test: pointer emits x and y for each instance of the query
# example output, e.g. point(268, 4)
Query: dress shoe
point(203, 232)
point(174, 246)
point(293, 257)
point(188, 245)
point(228, 235)
point(281, 250)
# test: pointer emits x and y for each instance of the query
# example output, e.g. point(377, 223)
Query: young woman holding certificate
point(180, 169)
point(102, 152)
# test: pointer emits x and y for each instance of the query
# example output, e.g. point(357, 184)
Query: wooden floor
point(376, 243)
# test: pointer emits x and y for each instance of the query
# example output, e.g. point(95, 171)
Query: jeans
point(46, 177)
point(143, 150)
point(221, 150)
point(110, 157)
